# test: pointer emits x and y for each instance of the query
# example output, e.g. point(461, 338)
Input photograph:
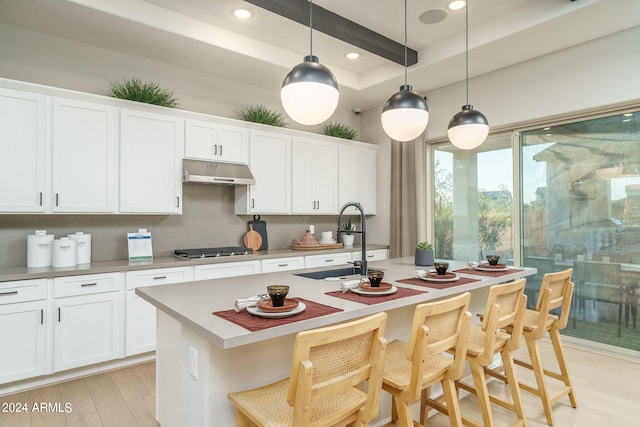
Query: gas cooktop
point(211, 252)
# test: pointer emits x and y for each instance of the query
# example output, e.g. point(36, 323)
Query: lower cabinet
point(140, 315)
point(24, 340)
point(282, 264)
point(325, 260)
point(229, 269)
point(87, 330)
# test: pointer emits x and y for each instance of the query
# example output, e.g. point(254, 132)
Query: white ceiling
point(203, 35)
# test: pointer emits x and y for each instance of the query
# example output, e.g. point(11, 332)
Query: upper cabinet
point(151, 147)
point(206, 140)
point(314, 164)
point(270, 162)
point(84, 157)
point(357, 176)
point(23, 168)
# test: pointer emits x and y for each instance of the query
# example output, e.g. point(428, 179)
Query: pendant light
point(469, 128)
point(310, 92)
point(405, 115)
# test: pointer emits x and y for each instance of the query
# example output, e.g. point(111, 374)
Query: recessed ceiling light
point(242, 13)
point(433, 16)
point(456, 4)
point(352, 55)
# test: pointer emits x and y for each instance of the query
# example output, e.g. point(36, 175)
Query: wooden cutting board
point(252, 239)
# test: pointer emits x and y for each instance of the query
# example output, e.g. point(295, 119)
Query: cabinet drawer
point(158, 276)
point(231, 269)
point(372, 255)
point(23, 290)
point(282, 264)
point(312, 261)
point(86, 284)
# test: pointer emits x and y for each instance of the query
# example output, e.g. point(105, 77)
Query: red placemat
point(375, 299)
point(438, 285)
point(256, 323)
point(487, 273)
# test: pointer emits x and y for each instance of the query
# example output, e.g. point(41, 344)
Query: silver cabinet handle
point(253, 205)
point(2, 294)
point(41, 316)
point(84, 285)
point(41, 198)
point(282, 265)
point(328, 260)
point(215, 149)
point(57, 199)
point(318, 204)
point(177, 201)
point(58, 314)
point(159, 277)
point(221, 149)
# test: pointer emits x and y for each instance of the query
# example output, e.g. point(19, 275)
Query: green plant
point(262, 114)
point(347, 226)
point(423, 246)
point(135, 89)
point(339, 130)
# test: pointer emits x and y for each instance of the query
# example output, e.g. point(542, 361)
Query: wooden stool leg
point(480, 382)
point(509, 370)
point(538, 370)
point(424, 406)
point(405, 416)
point(394, 411)
point(562, 363)
point(451, 398)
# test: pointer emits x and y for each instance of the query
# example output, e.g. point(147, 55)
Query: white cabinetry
point(88, 325)
point(325, 260)
point(206, 140)
point(314, 166)
point(140, 334)
point(282, 264)
point(372, 255)
point(230, 269)
point(357, 176)
point(23, 315)
point(84, 157)
point(270, 162)
point(23, 169)
point(151, 147)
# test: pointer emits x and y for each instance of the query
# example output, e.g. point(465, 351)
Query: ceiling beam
point(340, 28)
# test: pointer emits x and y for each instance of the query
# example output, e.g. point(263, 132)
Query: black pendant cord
point(467, 47)
point(405, 42)
point(311, 27)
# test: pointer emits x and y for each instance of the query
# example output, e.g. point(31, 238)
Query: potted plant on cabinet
point(347, 237)
point(424, 254)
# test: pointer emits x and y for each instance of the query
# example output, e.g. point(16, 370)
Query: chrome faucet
point(363, 230)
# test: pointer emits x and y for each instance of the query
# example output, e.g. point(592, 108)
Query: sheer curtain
point(408, 202)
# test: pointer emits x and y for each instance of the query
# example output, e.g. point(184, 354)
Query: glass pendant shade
point(405, 115)
point(310, 92)
point(468, 129)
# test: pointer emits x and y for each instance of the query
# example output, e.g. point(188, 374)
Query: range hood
point(205, 172)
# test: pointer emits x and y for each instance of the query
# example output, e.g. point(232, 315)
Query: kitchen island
point(201, 356)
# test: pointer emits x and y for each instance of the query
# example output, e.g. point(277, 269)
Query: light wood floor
point(607, 390)
point(121, 398)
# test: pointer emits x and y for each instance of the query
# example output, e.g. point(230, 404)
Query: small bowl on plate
point(278, 293)
point(441, 268)
point(493, 259)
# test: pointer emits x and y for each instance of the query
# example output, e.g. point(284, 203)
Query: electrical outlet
point(312, 229)
point(193, 362)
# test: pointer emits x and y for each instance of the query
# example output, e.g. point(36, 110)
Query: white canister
point(63, 252)
point(39, 249)
point(83, 247)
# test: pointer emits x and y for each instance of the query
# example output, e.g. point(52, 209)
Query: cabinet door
point(150, 163)
point(87, 330)
point(357, 177)
point(23, 169)
point(270, 161)
point(141, 325)
point(83, 157)
point(282, 264)
point(201, 139)
point(326, 177)
point(24, 339)
point(312, 261)
point(233, 144)
point(231, 269)
point(303, 199)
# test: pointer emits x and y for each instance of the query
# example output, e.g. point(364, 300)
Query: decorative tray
point(300, 247)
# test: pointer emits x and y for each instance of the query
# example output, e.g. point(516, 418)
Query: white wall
point(586, 77)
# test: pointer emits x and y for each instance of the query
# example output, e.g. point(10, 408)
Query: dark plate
point(267, 305)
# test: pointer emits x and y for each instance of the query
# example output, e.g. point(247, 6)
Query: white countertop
point(192, 303)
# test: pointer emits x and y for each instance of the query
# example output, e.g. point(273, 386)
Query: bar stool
point(329, 364)
point(556, 291)
point(506, 305)
point(437, 327)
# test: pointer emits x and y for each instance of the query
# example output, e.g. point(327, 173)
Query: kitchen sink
point(337, 272)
